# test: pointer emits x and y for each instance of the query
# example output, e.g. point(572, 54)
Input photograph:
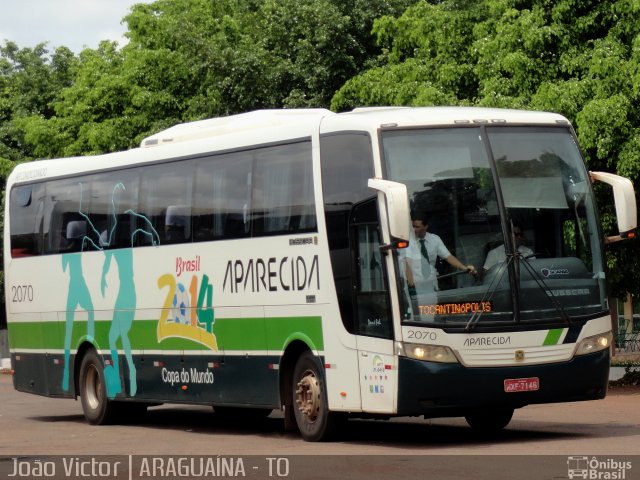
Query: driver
point(498, 254)
point(419, 261)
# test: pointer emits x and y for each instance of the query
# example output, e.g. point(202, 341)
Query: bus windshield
point(513, 202)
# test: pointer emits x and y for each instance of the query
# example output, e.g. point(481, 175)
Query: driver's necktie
point(426, 266)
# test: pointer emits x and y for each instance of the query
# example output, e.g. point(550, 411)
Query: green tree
point(193, 59)
point(427, 59)
point(30, 80)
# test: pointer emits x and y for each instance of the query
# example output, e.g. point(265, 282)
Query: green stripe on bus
point(553, 336)
point(272, 333)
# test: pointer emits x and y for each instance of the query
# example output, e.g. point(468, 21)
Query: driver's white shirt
point(498, 255)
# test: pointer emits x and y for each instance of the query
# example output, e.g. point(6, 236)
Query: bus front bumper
point(446, 389)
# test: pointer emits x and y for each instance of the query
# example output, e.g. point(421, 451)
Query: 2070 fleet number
point(21, 293)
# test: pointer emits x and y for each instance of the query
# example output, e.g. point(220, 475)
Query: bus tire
point(315, 422)
point(97, 408)
point(489, 420)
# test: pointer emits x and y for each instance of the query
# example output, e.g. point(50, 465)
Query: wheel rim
point(92, 387)
point(308, 395)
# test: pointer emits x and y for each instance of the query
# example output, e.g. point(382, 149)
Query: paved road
point(32, 425)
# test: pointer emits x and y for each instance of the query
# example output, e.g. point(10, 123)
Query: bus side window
point(165, 186)
point(26, 211)
point(114, 200)
point(283, 199)
point(222, 196)
point(65, 205)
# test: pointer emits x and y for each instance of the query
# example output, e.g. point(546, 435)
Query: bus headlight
point(594, 343)
point(428, 353)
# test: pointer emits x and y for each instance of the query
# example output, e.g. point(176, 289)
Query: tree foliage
point(185, 60)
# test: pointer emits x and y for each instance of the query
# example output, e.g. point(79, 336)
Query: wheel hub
point(308, 396)
point(92, 388)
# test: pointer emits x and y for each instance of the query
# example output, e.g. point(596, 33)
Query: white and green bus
point(257, 262)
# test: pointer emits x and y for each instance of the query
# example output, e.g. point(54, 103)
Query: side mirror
point(397, 202)
point(625, 202)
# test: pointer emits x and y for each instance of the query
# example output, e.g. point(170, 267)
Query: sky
point(72, 23)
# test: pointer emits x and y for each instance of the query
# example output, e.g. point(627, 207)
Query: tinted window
point(165, 203)
point(222, 197)
point(191, 200)
point(283, 190)
point(114, 202)
point(27, 208)
point(266, 191)
point(65, 225)
point(347, 165)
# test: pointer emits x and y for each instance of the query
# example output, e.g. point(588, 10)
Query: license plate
point(521, 384)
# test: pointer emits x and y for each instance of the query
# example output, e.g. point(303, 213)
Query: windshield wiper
point(493, 286)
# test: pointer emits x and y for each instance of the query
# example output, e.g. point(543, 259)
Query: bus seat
point(177, 223)
point(76, 229)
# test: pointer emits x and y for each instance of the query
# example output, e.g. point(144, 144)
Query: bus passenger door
point(373, 319)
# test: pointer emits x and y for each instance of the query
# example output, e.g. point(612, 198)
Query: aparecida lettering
point(487, 341)
point(272, 275)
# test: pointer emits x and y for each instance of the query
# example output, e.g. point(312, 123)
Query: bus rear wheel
point(315, 422)
point(97, 408)
point(489, 420)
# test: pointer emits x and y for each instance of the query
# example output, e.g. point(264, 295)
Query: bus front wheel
point(315, 421)
point(97, 408)
point(490, 420)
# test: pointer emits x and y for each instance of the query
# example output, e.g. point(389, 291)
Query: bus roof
point(265, 126)
point(381, 117)
point(366, 118)
point(242, 122)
